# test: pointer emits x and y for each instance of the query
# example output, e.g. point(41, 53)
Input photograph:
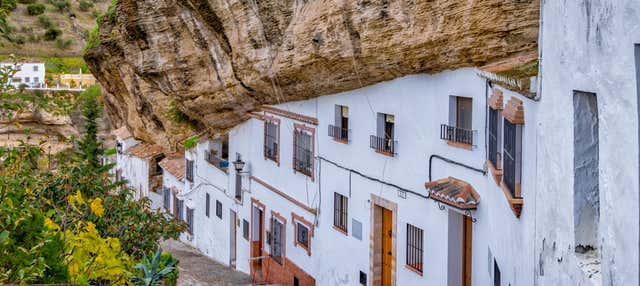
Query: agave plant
point(151, 272)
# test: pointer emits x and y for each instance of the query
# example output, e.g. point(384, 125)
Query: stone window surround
point(295, 219)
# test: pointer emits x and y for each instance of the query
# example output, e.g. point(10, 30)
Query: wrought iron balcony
point(384, 145)
point(338, 133)
point(456, 135)
point(212, 158)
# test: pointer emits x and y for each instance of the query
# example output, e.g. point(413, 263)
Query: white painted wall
point(30, 74)
point(588, 46)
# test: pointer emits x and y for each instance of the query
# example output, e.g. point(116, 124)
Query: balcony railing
point(339, 133)
point(271, 152)
point(457, 135)
point(220, 163)
point(302, 162)
point(382, 144)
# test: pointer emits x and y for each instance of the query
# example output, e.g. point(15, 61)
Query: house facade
point(454, 178)
point(28, 73)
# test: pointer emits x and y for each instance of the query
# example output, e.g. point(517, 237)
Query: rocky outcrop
point(217, 59)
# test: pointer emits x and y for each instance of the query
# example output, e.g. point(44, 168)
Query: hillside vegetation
point(50, 28)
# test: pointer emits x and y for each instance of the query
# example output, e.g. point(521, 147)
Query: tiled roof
point(175, 167)
point(453, 192)
point(122, 133)
point(510, 63)
point(144, 150)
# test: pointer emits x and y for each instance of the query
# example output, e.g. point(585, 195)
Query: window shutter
point(452, 110)
point(380, 127)
point(338, 116)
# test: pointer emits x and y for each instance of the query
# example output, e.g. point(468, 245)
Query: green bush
point(51, 34)
point(35, 9)
point(8, 5)
point(61, 5)
point(26, 1)
point(63, 44)
point(45, 21)
point(85, 5)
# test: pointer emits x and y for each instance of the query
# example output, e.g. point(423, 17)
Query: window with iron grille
point(206, 202)
point(340, 129)
point(166, 198)
point(494, 137)
point(414, 247)
point(190, 220)
point(180, 210)
point(277, 243)
point(271, 139)
point(218, 209)
point(302, 235)
point(511, 156)
point(340, 212)
point(303, 154)
point(189, 171)
point(384, 141)
point(459, 128)
point(245, 229)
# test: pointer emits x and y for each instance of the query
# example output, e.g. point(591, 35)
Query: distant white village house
point(28, 73)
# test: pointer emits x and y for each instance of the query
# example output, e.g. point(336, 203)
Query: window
point(496, 273)
point(206, 202)
point(27, 79)
point(190, 220)
point(340, 130)
point(414, 247)
point(36, 79)
point(271, 140)
point(340, 212)
point(179, 210)
point(189, 170)
point(245, 229)
point(459, 129)
point(303, 150)
point(218, 209)
point(35, 68)
point(157, 169)
point(363, 278)
point(494, 138)
point(302, 235)
point(296, 281)
point(511, 159)
point(166, 198)
point(383, 140)
point(277, 243)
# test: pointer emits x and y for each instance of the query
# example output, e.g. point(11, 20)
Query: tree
point(90, 149)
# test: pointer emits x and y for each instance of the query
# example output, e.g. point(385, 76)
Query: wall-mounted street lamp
point(119, 148)
point(238, 164)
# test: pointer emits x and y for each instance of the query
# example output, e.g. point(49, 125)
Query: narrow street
point(197, 269)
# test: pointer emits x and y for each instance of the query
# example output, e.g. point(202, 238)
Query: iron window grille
point(339, 133)
point(415, 247)
point(207, 203)
point(382, 144)
point(180, 209)
point(271, 141)
point(302, 235)
point(340, 211)
point(509, 158)
point(166, 198)
point(494, 121)
point(245, 229)
point(276, 240)
point(218, 209)
point(189, 171)
point(190, 220)
point(455, 134)
point(303, 155)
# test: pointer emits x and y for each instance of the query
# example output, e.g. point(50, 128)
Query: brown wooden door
point(387, 244)
point(232, 238)
point(467, 236)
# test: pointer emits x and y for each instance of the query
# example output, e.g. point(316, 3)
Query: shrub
point(45, 21)
point(85, 5)
point(35, 9)
point(61, 5)
point(8, 5)
point(26, 1)
point(63, 44)
point(52, 33)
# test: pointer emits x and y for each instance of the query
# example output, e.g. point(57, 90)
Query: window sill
point(514, 203)
point(277, 161)
point(340, 140)
point(386, 153)
point(341, 230)
point(416, 271)
point(460, 145)
point(496, 173)
point(297, 244)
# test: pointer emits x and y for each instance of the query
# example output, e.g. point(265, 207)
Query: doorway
point(387, 243)
point(257, 238)
point(467, 233)
point(232, 238)
point(383, 246)
point(460, 238)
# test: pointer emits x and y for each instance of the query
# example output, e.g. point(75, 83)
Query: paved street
point(197, 269)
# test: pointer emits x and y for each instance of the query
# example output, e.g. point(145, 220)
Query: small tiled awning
point(453, 192)
point(174, 166)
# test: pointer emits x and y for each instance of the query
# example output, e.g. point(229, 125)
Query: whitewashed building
point(28, 73)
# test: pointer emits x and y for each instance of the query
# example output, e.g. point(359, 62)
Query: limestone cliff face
point(217, 59)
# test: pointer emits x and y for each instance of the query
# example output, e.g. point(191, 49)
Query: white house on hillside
point(27, 73)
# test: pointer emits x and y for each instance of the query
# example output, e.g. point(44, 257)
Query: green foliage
point(93, 38)
point(45, 22)
point(9, 5)
point(61, 5)
point(26, 1)
point(152, 272)
point(191, 142)
point(90, 149)
point(63, 44)
point(35, 9)
point(110, 152)
point(85, 5)
point(52, 33)
point(176, 115)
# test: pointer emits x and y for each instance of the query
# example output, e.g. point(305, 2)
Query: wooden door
point(467, 236)
point(257, 230)
point(232, 239)
point(387, 244)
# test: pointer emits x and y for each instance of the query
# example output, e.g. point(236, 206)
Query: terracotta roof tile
point(175, 167)
point(144, 150)
point(454, 192)
point(122, 133)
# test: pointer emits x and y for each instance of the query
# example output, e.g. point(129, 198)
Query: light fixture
point(238, 164)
